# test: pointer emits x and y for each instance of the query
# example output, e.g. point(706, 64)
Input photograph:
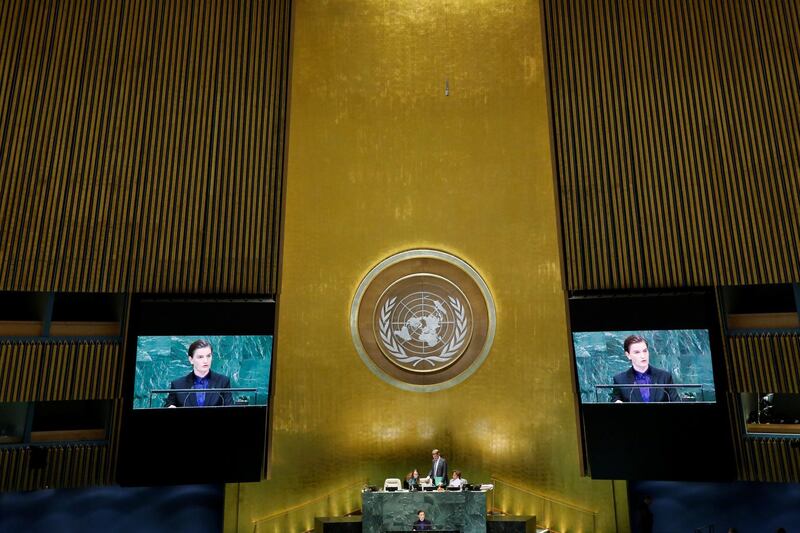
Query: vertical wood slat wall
point(64, 370)
point(67, 467)
point(42, 371)
point(676, 141)
point(676, 138)
point(764, 363)
point(772, 459)
point(141, 145)
point(64, 465)
point(141, 150)
point(760, 363)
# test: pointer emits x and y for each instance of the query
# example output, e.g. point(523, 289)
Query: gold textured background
point(381, 161)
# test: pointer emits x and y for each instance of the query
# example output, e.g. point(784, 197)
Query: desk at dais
point(463, 511)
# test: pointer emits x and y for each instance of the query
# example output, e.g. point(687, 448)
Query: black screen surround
point(639, 441)
point(193, 445)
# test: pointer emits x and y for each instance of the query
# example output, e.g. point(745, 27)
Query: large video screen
point(198, 372)
point(651, 366)
point(202, 370)
point(648, 369)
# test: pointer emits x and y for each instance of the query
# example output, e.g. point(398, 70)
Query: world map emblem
point(423, 320)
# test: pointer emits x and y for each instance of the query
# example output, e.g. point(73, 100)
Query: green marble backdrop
point(395, 511)
point(686, 353)
point(245, 359)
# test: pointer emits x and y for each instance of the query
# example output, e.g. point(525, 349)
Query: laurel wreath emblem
point(396, 349)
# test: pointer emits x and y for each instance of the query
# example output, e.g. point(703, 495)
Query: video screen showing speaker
point(644, 366)
point(649, 371)
point(202, 370)
point(198, 375)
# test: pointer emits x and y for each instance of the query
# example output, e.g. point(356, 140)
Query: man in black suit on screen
point(421, 524)
point(642, 373)
point(201, 377)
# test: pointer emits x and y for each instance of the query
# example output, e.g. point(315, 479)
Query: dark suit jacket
point(632, 394)
point(189, 399)
point(424, 525)
point(441, 471)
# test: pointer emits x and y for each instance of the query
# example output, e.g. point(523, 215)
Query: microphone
point(667, 391)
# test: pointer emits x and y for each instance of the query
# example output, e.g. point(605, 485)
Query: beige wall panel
point(381, 161)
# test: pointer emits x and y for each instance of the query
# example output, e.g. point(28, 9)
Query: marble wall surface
point(686, 353)
point(245, 359)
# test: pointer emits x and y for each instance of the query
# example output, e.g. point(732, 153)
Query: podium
point(241, 400)
point(463, 511)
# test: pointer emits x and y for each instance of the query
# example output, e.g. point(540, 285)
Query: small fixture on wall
point(446, 87)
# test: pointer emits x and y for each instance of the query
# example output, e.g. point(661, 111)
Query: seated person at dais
point(413, 480)
point(457, 481)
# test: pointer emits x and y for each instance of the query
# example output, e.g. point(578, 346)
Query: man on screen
point(201, 377)
point(421, 524)
point(641, 373)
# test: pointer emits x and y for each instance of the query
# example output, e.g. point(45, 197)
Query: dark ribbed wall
point(765, 363)
point(141, 145)
point(775, 459)
point(676, 134)
point(141, 150)
point(760, 363)
point(63, 466)
point(43, 371)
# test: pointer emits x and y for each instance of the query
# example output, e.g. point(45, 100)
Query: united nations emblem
point(423, 320)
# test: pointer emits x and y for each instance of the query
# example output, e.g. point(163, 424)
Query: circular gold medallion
point(423, 320)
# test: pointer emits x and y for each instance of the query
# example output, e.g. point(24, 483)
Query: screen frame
point(611, 447)
point(153, 441)
point(647, 335)
point(204, 336)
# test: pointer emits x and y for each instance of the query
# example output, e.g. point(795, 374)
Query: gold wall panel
point(676, 129)
point(380, 160)
point(142, 145)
